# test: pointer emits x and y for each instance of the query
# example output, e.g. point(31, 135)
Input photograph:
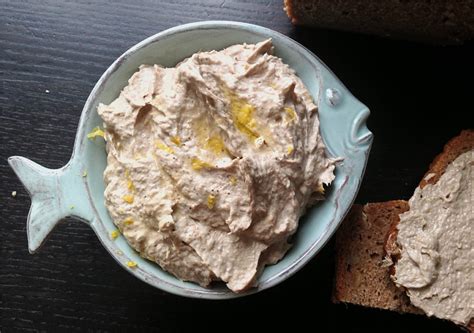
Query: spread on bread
point(416, 256)
point(435, 236)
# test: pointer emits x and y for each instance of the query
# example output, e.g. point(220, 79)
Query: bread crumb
point(386, 262)
point(128, 221)
point(84, 174)
point(131, 264)
point(13, 194)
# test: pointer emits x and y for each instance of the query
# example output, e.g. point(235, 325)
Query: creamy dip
point(436, 239)
point(211, 164)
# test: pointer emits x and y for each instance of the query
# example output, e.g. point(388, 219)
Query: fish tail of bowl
point(55, 194)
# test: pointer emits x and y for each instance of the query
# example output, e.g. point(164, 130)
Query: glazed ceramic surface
point(77, 189)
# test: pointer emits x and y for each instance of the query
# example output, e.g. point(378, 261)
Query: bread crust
point(455, 147)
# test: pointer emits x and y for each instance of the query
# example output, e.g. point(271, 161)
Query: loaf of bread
point(368, 235)
point(437, 21)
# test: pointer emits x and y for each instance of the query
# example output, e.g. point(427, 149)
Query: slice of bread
point(362, 276)
point(445, 22)
point(457, 146)
point(369, 233)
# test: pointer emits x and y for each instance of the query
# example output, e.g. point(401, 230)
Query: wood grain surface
point(51, 55)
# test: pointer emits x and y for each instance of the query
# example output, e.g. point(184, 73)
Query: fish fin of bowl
point(52, 192)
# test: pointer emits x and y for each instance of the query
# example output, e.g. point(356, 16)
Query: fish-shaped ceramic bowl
point(77, 189)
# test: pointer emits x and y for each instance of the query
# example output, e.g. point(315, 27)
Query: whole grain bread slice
point(369, 233)
point(362, 276)
point(457, 146)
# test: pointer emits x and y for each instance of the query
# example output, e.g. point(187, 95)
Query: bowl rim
point(302, 259)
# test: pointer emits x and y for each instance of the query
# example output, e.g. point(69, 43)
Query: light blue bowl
point(66, 192)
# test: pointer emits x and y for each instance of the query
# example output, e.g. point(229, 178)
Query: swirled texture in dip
point(211, 163)
point(436, 238)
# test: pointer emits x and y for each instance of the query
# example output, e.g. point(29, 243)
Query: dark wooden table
point(51, 55)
